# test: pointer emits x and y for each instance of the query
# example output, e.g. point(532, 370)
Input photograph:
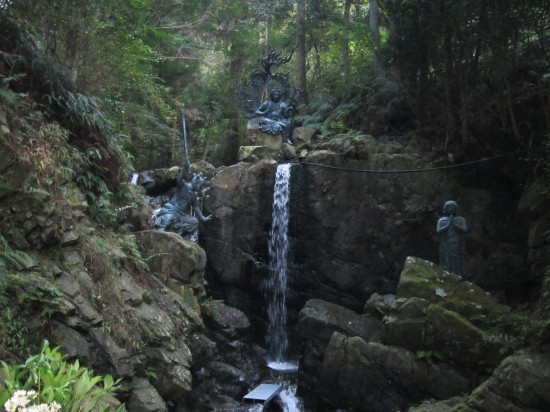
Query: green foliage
point(327, 117)
point(42, 295)
point(11, 259)
point(48, 373)
point(7, 96)
point(13, 329)
point(424, 354)
point(517, 330)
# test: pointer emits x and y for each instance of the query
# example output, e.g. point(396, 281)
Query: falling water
point(275, 285)
point(134, 179)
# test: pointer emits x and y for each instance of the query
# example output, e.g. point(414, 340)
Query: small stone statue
point(451, 247)
point(275, 116)
point(175, 216)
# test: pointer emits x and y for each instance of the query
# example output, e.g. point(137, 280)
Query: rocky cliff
point(118, 297)
point(148, 307)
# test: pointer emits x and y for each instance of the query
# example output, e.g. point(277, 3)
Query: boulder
point(172, 367)
point(454, 338)
point(385, 378)
point(303, 135)
point(173, 259)
point(227, 317)
point(519, 384)
point(318, 320)
point(424, 279)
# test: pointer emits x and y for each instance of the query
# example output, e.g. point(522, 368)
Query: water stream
point(275, 285)
point(275, 291)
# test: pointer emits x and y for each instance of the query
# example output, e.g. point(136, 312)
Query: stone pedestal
point(255, 137)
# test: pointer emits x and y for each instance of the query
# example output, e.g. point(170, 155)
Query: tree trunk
point(345, 41)
point(301, 48)
point(266, 34)
point(448, 68)
point(375, 36)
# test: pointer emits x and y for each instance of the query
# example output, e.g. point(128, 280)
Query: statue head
point(275, 95)
point(450, 208)
point(198, 181)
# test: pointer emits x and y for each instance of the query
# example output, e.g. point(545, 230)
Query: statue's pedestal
point(255, 137)
point(258, 145)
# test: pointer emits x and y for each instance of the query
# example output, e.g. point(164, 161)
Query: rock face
point(236, 239)
point(350, 232)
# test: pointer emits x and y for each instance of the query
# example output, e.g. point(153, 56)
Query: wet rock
point(154, 323)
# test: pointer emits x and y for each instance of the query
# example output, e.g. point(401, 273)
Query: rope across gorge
point(428, 169)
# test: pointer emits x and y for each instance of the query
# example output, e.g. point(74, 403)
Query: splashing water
point(275, 285)
point(291, 402)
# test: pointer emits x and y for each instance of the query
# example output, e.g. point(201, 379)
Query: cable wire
point(428, 169)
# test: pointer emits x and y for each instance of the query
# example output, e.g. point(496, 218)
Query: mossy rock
point(171, 257)
point(424, 279)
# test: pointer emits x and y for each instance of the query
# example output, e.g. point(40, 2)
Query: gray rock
point(171, 257)
point(318, 320)
point(145, 398)
point(520, 383)
point(225, 316)
point(118, 356)
point(385, 378)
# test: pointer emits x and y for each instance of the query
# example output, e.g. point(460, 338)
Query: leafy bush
point(46, 378)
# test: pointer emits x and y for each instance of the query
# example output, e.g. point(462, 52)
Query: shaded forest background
point(472, 76)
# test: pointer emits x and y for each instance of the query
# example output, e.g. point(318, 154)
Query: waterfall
point(275, 285)
point(275, 292)
point(134, 179)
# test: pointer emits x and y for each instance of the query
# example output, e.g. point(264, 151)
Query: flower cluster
point(19, 402)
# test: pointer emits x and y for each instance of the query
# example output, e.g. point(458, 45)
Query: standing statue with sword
point(183, 213)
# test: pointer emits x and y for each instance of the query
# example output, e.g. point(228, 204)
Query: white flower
point(54, 406)
point(10, 405)
point(20, 398)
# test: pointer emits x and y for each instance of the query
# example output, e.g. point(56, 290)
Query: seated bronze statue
point(275, 116)
point(176, 215)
